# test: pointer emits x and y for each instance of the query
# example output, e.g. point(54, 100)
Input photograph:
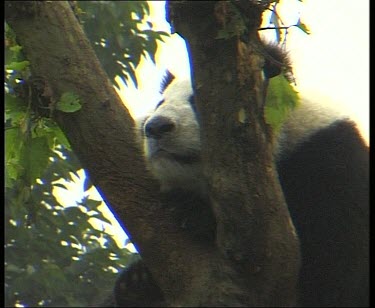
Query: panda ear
point(166, 81)
point(276, 62)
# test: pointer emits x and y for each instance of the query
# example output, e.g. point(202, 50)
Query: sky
point(331, 64)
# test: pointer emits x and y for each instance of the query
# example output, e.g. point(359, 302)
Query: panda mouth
point(180, 158)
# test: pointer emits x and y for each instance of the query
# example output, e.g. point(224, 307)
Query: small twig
point(274, 28)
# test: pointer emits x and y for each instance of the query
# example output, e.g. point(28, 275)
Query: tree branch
point(254, 227)
point(255, 262)
point(101, 134)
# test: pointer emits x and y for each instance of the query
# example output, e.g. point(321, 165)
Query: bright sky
point(333, 61)
point(331, 64)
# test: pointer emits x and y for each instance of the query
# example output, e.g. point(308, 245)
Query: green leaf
point(91, 204)
point(101, 217)
point(17, 66)
point(36, 157)
point(47, 127)
point(16, 48)
point(281, 99)
point(69, 102)
point(61, 138)
point(15, 109)
point(303, 27)
point(13, 150)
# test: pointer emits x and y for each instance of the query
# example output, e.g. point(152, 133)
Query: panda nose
point(158, 126)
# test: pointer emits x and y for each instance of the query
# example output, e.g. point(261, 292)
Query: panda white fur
point(171, 140)
point(171, 136)
point(322, 164)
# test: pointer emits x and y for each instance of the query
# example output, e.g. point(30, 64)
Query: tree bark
point(255, 261)
point(102, 136)
point(253, 223)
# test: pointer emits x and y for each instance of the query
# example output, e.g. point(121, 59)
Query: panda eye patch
point(159, 104)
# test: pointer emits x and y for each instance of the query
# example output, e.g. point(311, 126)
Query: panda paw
point(135, 287)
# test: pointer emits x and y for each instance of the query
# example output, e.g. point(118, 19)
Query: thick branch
point(101, 134)
point(254, 228)
point(257, 263)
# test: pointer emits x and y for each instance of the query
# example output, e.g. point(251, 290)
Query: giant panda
point(322, 163)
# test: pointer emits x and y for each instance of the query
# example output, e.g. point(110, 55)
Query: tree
point(50, 244)
point(101, 135)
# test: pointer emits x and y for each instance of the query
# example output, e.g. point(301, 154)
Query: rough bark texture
point(255, 261)
point(254, 227)
point(101, 134)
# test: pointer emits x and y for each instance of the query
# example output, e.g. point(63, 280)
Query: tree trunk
point(254, 229)
point(255, 259)
point(102, 134)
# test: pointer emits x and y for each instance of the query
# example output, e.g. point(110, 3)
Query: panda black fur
point(322, 164)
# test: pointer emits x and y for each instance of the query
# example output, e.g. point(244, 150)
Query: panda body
point(171, 136)
point(322, 163)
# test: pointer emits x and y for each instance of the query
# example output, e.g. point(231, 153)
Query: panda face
point(171, 140)
point(171, 137)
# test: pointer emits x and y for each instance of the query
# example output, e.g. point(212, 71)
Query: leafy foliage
point(281, 99)
point(281, 96)
point(53, 254)
point(69, 102)
point(116, 30)
point(302, 26)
